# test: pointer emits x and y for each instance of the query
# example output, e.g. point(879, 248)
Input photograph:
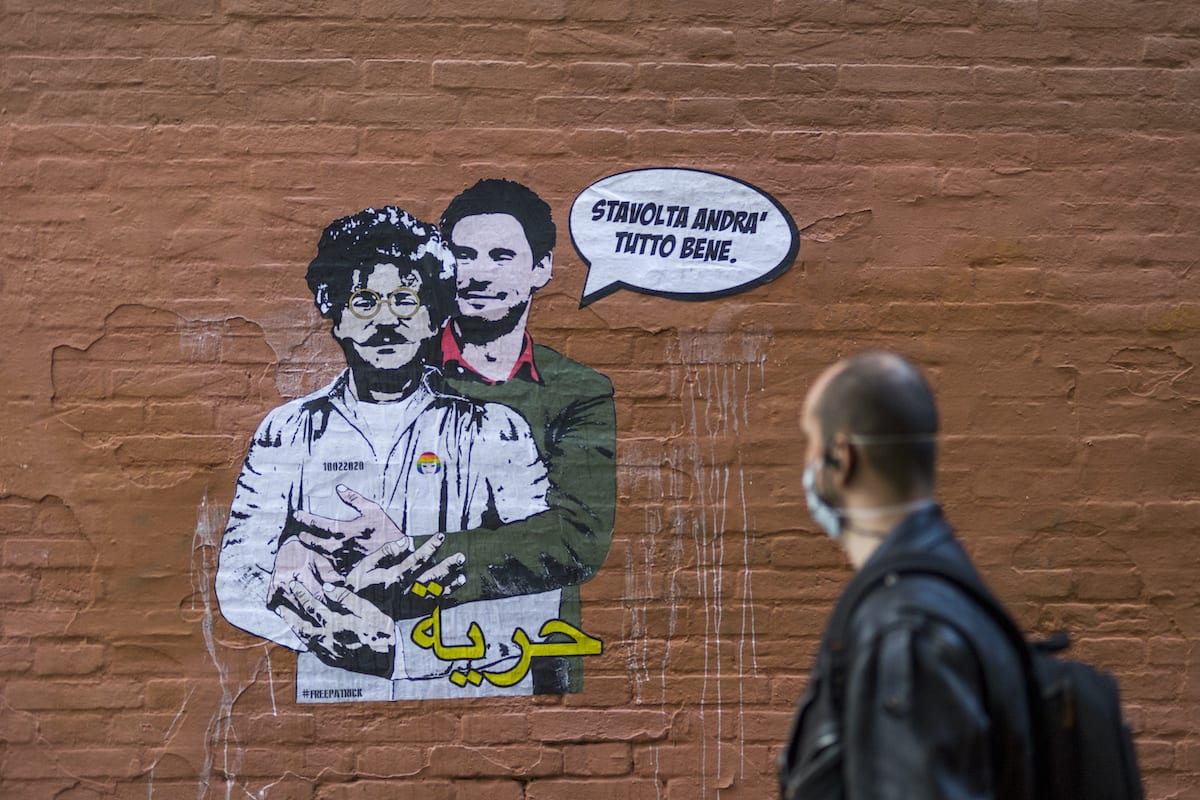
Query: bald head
point(882, 404)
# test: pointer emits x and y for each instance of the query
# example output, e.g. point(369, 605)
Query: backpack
point(1083, 748)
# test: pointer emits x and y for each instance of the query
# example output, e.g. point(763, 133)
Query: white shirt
point(434, 462)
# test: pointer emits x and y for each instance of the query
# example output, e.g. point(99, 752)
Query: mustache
point(386, 336)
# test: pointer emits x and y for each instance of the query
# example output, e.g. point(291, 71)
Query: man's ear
point(842, 458)
point(321, 298)
point(543, 270)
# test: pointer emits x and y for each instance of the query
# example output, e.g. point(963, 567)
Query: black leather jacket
point(933, 702)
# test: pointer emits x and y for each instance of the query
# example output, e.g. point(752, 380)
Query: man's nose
point(387, 317)
point(483, 264)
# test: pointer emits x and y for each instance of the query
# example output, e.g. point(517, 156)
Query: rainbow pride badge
point(429, 464)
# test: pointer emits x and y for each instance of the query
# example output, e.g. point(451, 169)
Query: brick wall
point(1005, 190)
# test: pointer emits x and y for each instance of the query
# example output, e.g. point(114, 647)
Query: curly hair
point(387, 235)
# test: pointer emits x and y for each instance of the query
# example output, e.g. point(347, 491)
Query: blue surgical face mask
point(825, 515)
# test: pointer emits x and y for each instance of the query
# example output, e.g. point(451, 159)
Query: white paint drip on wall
point(646, 568)
point(220, 738)
point(270, 679)
point(705, 487)
point(168, 736)
point(639, 577)
point(747, 617)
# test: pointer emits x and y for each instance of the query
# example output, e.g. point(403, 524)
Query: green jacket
point(573, 420)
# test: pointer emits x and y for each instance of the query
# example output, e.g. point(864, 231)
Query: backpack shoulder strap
point(952, 572)
point(966, 581)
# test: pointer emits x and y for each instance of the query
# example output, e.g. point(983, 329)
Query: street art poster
point(419, 528)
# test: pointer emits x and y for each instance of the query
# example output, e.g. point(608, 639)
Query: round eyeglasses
point(365, 303)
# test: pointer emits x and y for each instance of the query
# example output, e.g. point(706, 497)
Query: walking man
point(916, 692)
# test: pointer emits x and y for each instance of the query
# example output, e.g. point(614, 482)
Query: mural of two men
point(419, 527)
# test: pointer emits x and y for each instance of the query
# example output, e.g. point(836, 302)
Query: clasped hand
point(340, 584)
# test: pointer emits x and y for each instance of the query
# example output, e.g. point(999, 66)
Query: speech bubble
point(684, 234)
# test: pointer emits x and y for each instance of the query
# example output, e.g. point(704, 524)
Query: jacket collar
point(923, 531)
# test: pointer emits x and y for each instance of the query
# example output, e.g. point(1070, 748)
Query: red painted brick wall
point(1005, 190)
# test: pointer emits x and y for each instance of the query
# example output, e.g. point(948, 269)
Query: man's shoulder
point(913, 595)
point(554, 367)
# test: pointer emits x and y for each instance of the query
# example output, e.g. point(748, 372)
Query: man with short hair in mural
point(321, 553)
point(917, 691)
point(503, 236)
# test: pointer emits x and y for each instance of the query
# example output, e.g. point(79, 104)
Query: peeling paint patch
point(1157, 372)
point(827, 229)
point(166, 398)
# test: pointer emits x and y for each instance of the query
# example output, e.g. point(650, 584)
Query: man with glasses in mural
point(503, 235)
point(321, 553)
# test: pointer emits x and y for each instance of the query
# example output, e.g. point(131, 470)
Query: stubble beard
point(477, 331)
point(371, 381)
